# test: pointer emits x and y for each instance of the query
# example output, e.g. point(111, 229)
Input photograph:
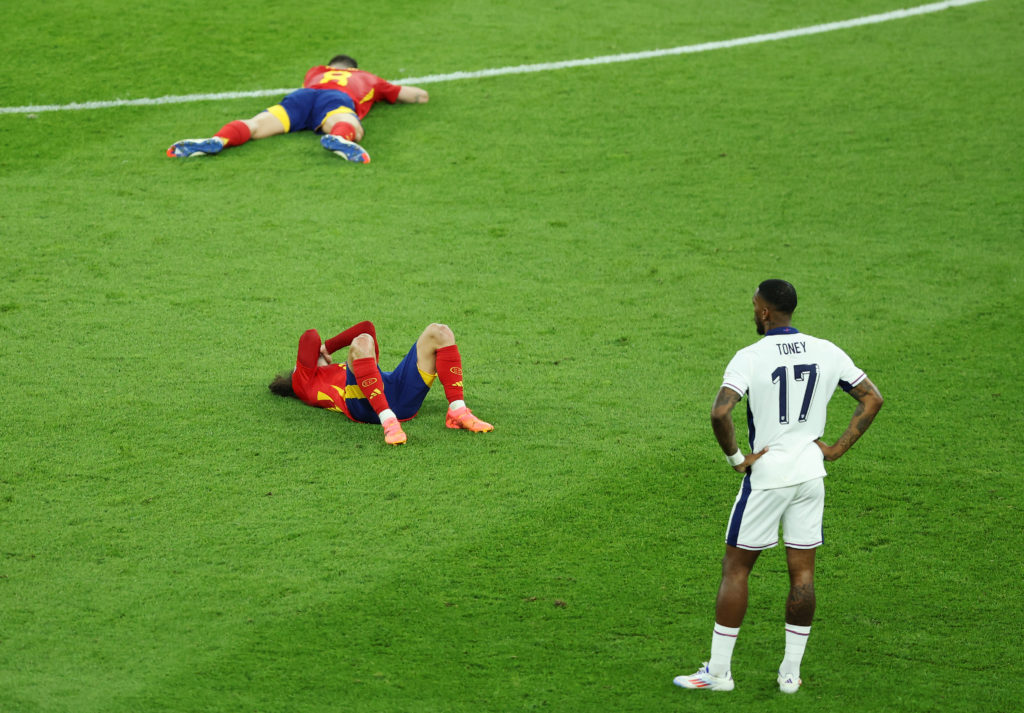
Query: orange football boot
point(464, 418)
point(393, 433)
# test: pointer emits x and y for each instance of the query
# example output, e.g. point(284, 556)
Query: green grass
point(175, 538)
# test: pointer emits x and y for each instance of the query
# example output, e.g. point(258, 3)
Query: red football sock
point(345, 338)
point(368, 377)
point(235, 133)
point(449, 372)
point(345, 130)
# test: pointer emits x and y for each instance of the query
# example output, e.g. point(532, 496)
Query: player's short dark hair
point(344, 60)
point(779, 294)
point(282, 385)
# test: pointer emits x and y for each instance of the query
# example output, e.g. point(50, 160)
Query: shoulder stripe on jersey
point(847, 385)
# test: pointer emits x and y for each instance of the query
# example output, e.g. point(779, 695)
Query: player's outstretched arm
point(725, 432)
point(413, 95)
point(869, 402)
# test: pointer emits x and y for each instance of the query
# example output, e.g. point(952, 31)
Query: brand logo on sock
point(367, 383)
point(456, 370)
point(375, 392)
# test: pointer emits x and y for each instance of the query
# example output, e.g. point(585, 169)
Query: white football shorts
point(756, 515)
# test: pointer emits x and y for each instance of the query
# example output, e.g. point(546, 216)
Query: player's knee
point(737, 564)
point(802, 578)
point(441, 334)
point(363, 347)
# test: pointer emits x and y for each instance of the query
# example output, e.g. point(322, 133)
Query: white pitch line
point(526, 68)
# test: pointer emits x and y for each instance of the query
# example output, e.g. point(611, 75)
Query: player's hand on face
point(749, 460)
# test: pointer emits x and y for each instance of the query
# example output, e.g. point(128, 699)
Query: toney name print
point(792, 347)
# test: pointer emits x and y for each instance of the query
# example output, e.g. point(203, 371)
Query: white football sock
point(456, 405)
point(386, 415)
point(796, 642)
point(723, 639)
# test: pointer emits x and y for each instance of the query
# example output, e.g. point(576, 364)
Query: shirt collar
point(782, 330)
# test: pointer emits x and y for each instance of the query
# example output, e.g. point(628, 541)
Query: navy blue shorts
point(405, 389)
point(306, 109)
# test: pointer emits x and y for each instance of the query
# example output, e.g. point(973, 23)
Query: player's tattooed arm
point(725, 432)
point(869, 402)
point(726, 399)
point(721, 419)
point(863, 392)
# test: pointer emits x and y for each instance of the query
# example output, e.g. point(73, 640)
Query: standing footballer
point(789, 378)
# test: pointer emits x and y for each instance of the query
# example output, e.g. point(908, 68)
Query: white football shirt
point(788, 378)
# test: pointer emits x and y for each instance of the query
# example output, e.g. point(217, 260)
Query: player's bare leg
point(800, 605)
point(435, 336)
point(362, 360)
point(731, 604)
point(234, 133)
point(264, 125)
point(342, 132)
point(436, 352)
point(730, 608)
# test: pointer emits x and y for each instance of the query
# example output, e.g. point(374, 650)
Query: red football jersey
point(324, 386)
point(364, 88)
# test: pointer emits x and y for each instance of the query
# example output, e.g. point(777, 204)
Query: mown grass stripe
point(525, 68)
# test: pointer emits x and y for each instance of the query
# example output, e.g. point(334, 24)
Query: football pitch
point(173, 537)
